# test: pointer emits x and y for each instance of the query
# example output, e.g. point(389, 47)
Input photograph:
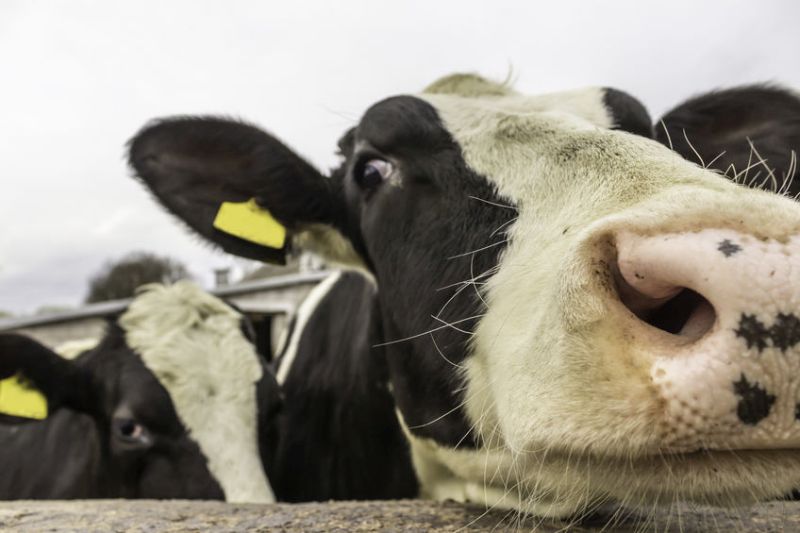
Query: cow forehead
point(471, 90)
point(536, 147)
point(585, 105)
point(193, 344)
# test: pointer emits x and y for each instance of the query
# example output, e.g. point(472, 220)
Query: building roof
point(103, 309)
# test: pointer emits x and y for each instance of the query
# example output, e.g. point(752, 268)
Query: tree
point(120, 279)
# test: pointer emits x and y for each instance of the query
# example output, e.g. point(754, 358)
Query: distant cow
point(172, 403)
point(558, 311)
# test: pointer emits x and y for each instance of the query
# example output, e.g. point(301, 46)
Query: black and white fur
point(174, 402)
point(466, 236)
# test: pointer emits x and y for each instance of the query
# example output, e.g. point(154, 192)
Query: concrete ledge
point(416, 515)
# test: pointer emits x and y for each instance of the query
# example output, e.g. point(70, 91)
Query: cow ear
point(627, 113)
point(234, 184)
point(752, 134)
point(35, 381)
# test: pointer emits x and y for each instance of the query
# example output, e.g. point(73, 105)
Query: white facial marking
point(192, 342)
point(304, 313)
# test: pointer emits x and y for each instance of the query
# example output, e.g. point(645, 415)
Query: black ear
point(745, 132)
point(628, 113)
point(28, 368)
point(194, 165)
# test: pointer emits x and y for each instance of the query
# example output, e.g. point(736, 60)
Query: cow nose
point(714, 315)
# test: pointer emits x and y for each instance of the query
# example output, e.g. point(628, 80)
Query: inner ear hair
point(329, 243)
point(63, 382)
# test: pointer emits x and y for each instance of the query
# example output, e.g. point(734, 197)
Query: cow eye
point(373, 173)
point(130, 432)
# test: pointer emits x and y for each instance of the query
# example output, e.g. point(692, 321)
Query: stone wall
point(416, 515)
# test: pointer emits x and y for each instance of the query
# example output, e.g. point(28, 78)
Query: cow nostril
point(676, 310)
point(688, 314)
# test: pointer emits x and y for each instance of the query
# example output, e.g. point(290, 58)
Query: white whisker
point(666, 132)
point(442, 355)
point(715, 159)
point(504, 206)
point(450, 325)
point(503, 225)
point(699, 157)
point(478, 250)
point(418, 335)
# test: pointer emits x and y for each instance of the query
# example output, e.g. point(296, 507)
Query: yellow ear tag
point(18, 397)
point(250, 222)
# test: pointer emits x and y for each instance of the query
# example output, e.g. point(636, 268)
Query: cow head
point(571, 312)
point(173, 401)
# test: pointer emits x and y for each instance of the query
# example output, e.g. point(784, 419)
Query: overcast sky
point(79, 78)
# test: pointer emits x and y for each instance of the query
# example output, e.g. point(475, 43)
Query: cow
point(173, 402)
point(553, 309)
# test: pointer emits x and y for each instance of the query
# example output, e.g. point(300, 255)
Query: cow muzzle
point(715, 316)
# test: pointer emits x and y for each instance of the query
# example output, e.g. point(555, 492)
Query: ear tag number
point(250, 222)
point(18, 397)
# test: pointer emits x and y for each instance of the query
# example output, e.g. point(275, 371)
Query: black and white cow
point(174, 402)
point(337, 435)
point(560, 310)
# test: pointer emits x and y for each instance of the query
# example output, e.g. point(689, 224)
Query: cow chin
point(556, 483)
point(719, 478)
point(569, 468)
point(715, 478)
